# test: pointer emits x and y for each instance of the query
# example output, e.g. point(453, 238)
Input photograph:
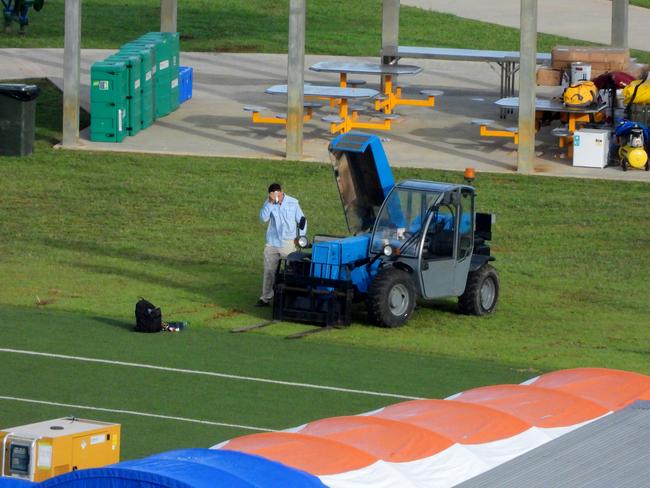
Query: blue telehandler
point(409, 240)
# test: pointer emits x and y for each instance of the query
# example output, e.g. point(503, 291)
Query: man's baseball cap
point(275, 187)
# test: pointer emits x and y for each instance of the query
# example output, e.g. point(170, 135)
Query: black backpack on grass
point(148, 317)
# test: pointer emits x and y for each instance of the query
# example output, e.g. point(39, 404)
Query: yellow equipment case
point(39, 451)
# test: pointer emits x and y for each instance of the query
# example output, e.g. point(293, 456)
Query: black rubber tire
point(647, 165)
point(396, 282)
point(624, 164)
point(483, 280)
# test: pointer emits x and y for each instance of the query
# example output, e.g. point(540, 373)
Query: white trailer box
point(590, 148)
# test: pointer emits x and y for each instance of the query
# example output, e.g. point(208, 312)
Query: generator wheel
point(391, 298)
point(481, 292)
point(624, 164)
point(647, 165)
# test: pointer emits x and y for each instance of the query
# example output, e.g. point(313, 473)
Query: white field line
point(208, 373)
point(131, 412)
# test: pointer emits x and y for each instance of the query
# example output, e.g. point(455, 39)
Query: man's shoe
point(262, 303)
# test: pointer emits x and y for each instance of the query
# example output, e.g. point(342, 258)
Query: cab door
point(446, 248)
point(465, 241)
point(438, 253)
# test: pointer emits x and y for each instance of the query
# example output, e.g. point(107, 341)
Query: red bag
point(613, 80)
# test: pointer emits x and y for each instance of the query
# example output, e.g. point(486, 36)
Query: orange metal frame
point(394, 98)
point(487, 132)
point(259, 119)
point(350, 121)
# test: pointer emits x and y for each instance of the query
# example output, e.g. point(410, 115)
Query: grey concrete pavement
point(588, 20)
point(213, 123)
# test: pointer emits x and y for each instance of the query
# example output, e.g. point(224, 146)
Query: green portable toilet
point(108, 101)
point(146, 81)
point(134, 93)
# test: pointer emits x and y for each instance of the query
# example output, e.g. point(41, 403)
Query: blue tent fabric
point(189, 468)
point(6, 482)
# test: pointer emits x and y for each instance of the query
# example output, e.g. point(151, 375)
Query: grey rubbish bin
point(17, 114)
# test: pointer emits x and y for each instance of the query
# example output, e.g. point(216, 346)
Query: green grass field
point(83, 235)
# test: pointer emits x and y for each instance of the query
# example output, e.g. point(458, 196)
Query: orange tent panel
point(540, 407)
point(388, 440)
point(315, 455)
point(464, 423)
point(611, 388)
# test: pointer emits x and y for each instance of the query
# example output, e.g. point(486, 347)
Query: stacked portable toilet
point(133, 87)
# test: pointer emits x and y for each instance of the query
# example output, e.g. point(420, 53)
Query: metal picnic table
point(575, 114)
point(392, 96)
point(571, 115)
point(346, 119)
point(508, 62)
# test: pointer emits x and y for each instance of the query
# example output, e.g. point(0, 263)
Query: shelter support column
point(527, 87)
point(71, 81)
point(620, 23)
point(168, 15)
point(389, 34)
point(295, 78)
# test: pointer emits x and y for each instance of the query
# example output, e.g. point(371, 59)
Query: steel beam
point(295, 78)
point(527, 86)
point(71, 80)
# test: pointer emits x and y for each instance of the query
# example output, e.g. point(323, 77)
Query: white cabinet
point(591, 148)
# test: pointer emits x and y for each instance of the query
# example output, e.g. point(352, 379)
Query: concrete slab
point(213, 123)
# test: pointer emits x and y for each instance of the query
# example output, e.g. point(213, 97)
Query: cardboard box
point(612, 58)
point(636, 70)
point(549, 76)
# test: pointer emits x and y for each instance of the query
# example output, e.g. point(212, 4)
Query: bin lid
point(21, 92)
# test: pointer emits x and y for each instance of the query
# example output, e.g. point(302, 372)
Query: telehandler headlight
point(388, 251)
point(303, 241)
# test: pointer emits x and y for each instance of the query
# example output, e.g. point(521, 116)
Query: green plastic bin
point(109, 82)
point(161, 77)
point(168, 65)
point(160, 108)
point(134, 91)
point(147, 58)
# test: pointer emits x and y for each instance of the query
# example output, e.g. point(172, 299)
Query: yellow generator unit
point(39, 451)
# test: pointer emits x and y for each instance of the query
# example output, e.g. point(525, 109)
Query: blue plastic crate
point(185, 76)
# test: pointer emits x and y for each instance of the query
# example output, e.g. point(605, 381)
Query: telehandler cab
point(412, 239)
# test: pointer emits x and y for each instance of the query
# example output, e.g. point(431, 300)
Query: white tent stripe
point(209, 373)
point(131, 412)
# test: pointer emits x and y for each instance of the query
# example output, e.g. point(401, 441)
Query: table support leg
point(350, 121)
point(393, 98)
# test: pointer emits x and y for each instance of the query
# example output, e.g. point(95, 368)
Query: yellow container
point(43, 450)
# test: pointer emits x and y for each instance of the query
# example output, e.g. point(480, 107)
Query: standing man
point(283, 214)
